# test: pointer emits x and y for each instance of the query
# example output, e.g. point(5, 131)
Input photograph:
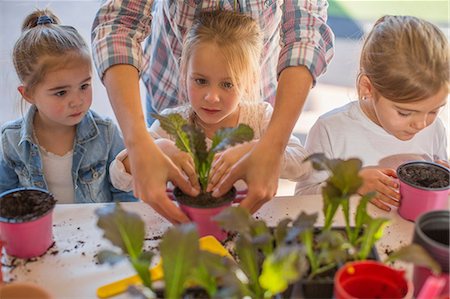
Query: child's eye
point(85, 86)
point(200, 81)
point(227, 85)
point(60, 93)
point(403, 114)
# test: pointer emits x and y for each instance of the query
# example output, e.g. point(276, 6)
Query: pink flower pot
point(417, 199)
point(202, 215)
point(26, 231)
point(371, 279)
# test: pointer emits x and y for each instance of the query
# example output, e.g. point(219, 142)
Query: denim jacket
point(97, 143)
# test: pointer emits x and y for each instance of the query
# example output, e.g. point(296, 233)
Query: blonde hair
point(239, 39)
point(45, 46)
point(405, 58)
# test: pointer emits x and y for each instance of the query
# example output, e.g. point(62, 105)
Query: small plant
point(192, 140)
point(185, 265)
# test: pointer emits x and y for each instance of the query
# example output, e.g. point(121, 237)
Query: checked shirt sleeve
point(117, 32)
point(306, 39)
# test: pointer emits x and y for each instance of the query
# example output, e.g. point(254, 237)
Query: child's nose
point(420, 123)
point(77, 101)
point(212, 96)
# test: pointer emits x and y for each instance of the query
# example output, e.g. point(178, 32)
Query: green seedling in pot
point(192, 140)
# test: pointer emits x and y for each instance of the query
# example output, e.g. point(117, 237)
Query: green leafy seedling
point(192, 140)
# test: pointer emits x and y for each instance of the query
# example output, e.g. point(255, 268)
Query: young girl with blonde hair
point(59, 145)
point(403, 83)
point(220, 75)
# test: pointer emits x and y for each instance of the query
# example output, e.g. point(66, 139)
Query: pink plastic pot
point(371, 279)
point(31, 235)
point(203, 218)
point(416, 200)
point(202, 215)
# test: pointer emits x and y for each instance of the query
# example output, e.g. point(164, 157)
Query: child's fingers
point(378, 203)
point(190, 172)
point(389, 187)
point(389, 172)
point(216, 176)
point(387, 199)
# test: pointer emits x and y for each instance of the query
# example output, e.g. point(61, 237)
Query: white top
point(346, 132)
point(256, 115)
point(58, 175)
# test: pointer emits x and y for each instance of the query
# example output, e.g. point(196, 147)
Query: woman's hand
point(383, 181)
point(223, 162)
point(151, 170)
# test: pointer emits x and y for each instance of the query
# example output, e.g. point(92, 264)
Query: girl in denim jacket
point(59, 145)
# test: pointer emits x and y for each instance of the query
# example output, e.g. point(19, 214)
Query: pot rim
point(429, 216)
point(222, 203)
point(419, 162)
point(19, 221)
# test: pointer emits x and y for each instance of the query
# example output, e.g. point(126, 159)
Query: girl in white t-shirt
point(219, 77)
point(403, 83)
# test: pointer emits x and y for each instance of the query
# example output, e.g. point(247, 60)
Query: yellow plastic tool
point(207, 243)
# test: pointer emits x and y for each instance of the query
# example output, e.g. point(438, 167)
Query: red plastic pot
point(416, 200)
point(30, 236)
point(370, 279)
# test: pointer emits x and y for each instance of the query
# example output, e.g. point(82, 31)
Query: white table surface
point(70, 269)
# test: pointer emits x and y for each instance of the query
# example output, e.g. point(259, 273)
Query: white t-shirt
point(346, 132)
point(255, 114)
point(58, 175)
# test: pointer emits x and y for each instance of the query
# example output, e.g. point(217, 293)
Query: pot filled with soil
point(370, 279)
point(26, 221)
point(431, 231)
point(424, 187)
point(203, 208)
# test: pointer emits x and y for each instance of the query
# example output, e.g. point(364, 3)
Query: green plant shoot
point(192, 140)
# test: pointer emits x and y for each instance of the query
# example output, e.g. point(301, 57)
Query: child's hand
point(223, 162)
point(381, 180)
point(182, 160)
point(443, 163)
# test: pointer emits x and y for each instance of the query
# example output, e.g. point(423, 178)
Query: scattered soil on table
point(425, 175)
point(25, 205)
point(204, 199)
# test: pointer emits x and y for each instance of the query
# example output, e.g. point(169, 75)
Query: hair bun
point(39, 18)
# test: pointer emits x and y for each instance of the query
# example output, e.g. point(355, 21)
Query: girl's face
point(210, 89)
point(64, 96)
point(405, 120)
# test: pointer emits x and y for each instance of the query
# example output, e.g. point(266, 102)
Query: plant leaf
point(142, 265)
point(236, 219)
point(179, 252)
point(345, 176)
point(282, 267)
point(281, 231)
point(124, 229)
point(248, 261)
point(109, 256)
point(417, 255)
point(372, 233)
point(209, 270)
point(173, 124)
point(226, 137)
point(301, 223)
